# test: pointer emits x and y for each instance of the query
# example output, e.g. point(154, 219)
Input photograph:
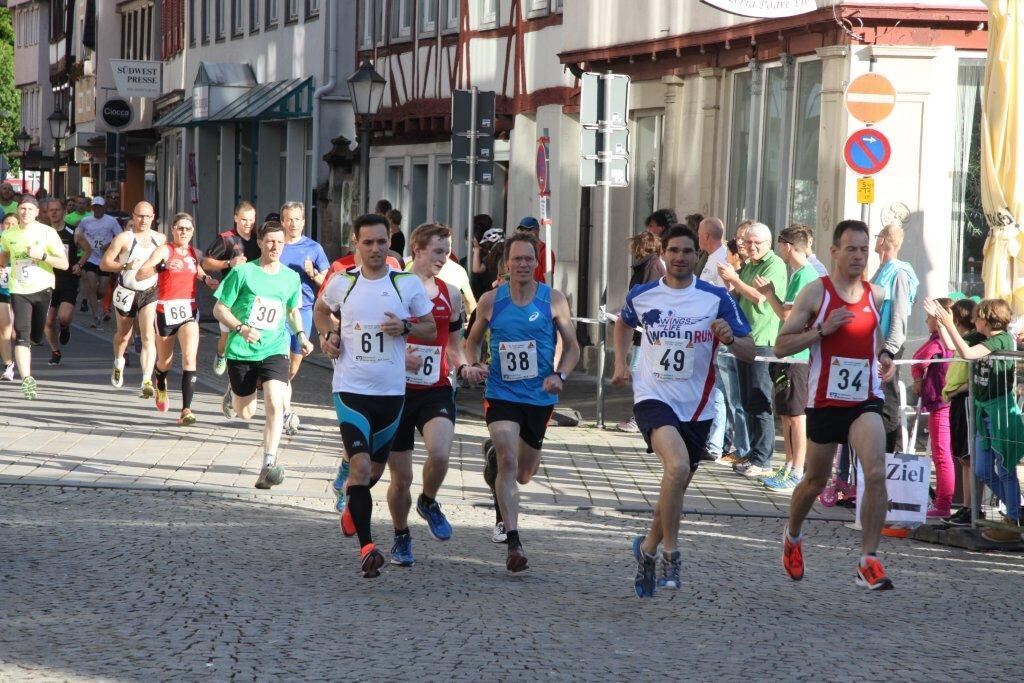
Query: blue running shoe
point(638, 554)
point(401, 551)
point(438, 524)
point(784, 485)
point(339, 487)
point(670, 566)
point(646, 569)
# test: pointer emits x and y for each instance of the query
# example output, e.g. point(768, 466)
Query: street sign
point(597, 108)
point(604, 137)
point(473, 137)
point(116, 170)
point(462, 108)
point(117, 113)
point(867, 151)
point(543, 179)
point(865, 190)
point(484, 172)
point(870, 98)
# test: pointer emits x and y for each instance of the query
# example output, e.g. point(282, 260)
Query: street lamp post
point(366, 88)
point(58, 122)
point(24, 140)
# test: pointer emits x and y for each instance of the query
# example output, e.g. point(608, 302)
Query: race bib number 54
point(265, 314)
point(848, 379)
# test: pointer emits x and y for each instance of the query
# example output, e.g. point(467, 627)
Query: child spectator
point(929, 379)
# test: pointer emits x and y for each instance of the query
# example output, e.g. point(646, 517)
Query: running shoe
point(961, 517)
point(637, 545)
point(8, 375)
point(793, 556)
point(629, 426)
point(401, 551)
point(65, 334)
point(147, 390)
point(784, 485)
point(499, 535)
point(138, 343)
point(162, 402)
point(372, 561)
point(516, 561)
point(490, 464)
point(96, 323)
point(55, 358)
point(28, 388)
point(934, 512)
point(646, 576)
point(226, 406)
point(749, 469)
point(338, 486)
point(871, 575)
point(780, 472)
point(670, 567)
point(348, 525)
point(291, 424)
point(220, 364)
point(117, 377)
point(187, 417)
point(270, 475)
point(437, 523)
point(731, 458)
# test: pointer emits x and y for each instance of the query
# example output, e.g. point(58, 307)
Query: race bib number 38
point(848, 379)
point(430, 372)
point(518, 360)
point(671, 359)
point(265, 314)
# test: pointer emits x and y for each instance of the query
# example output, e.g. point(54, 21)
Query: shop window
point(418, 197)
point(739, 143)
point(968, 221)
point(442, 193)
point(646, 168)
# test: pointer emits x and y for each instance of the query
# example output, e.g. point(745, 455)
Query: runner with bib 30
point(364, 316)
point(258, 301)
point(837, 318)
point(177, 268)
point(523, 382)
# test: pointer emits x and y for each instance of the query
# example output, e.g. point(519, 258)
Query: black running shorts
point(652, 414)
point(832, 425)
point(532, 420)
point(243, 375)
point(422, 406)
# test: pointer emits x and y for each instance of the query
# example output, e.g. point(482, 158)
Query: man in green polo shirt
point(8, 200)
point(756, 387)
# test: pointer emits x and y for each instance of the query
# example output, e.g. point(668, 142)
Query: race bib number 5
point(848, 379)
point(177, 311)
point(265, 314)
point(518, 360)
point(430, 372)
point(671, 360)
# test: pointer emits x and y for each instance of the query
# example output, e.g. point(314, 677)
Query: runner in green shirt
point(32, 250)
point(790, 379)
point(8, 200)
point(255, 301)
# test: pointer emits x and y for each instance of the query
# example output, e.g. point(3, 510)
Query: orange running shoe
point(348, 525)
point(793, 556)
point(871, 575)
point(373, 560)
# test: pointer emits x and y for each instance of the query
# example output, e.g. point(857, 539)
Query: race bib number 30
point(373, 345)
point(518, 360)
point(265, 314)
point(123, 298)
point(848, 379)
point(671, 359)
point(430, 372)
point(177, 311)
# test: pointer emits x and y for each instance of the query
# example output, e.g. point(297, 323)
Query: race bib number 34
point(848, 379)
point(518, 360)
point(671, 360)
point(373, 345)
point(430, 372)
point(265, 314)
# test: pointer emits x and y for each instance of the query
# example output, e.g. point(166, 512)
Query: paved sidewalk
point(82, 431)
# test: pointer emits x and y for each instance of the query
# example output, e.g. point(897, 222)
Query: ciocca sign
point(764, 9)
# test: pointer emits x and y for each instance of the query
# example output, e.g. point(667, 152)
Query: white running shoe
point(226, 407)
point(8, 375)
point(117, 376)
point(291, 424)
point(499, 535)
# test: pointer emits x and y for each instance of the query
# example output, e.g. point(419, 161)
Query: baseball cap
point(28, 199)
point(529, 223)
point(99, 201)
point(491, 236)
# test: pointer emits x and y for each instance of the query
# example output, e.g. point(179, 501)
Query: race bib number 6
point(518, 360)
point(848, 379)
point(430, 372)
point(265, 314)
point(671, 360)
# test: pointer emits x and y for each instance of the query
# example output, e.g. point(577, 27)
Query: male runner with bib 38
point(683, 321)
point(253, 301)
point(523, 382)
point(377, 308)
point(429, 396)
point(837, 318)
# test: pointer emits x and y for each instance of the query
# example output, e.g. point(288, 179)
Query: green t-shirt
point(764, 324)
point(28, 276)
point(74, 218)
point(10, 208)
point(262, 301)
point(994, 377)
point(804, 276)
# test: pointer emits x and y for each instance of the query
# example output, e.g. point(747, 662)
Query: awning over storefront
point(178, 117)
point(288, 99)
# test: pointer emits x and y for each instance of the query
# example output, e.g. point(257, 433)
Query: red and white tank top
point(434, 371)
point(177, 282)
point(844, 365)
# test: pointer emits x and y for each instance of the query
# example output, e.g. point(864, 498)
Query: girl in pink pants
point(929, 378)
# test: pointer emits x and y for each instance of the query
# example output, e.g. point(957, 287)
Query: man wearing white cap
point(99, 230)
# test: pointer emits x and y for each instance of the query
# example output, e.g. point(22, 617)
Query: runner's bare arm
point(148, 269)
point(622, 336)
point(327, 325)
point(795, 335)
point(476, 333)
point(110, 262)
point(563, 322)
point(295, 323)
point(456, 355)
point(55, 253)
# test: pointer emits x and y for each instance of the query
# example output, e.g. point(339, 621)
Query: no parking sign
point(867, 151)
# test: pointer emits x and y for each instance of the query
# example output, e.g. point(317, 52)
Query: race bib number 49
point(177, 311)
point(671, 359)
point(373, 345)
point(430, 372)
point(518, 360)
point(848, 379)
point(265, 314)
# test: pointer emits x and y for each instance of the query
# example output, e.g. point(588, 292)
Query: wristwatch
point(406, 327)
point(562, 376)
point(238, 327)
